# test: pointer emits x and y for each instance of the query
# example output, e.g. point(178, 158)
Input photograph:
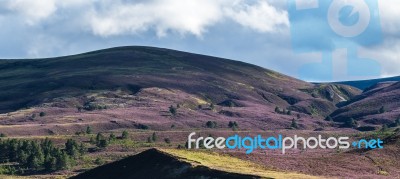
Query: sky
point(314, 40)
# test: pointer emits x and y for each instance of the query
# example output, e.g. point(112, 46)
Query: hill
point(173, 163)
point(377, 105)
point(364, 84)
point(132, 86)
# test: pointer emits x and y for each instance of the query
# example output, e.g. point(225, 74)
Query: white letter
point(190, 140)
point(334, 141)
point(207, 141)
point(219, 142)
point(347, 144)
point(284, 144)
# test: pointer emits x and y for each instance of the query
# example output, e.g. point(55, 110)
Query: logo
point(335, 30)
point(279, 143)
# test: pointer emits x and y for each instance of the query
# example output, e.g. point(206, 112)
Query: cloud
point(261, 16)
point(31, 11)
point(193, 17)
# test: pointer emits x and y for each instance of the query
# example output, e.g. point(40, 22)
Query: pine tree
point(125, 135)
point(294, 124)
point(154, 137)
point(88, 130)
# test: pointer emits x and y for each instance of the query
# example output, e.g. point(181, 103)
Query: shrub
point(167, 140)
point(382, 110)
point(211, 124)
point(154, 137)
point(384, 128)
point(142, 126)
point(41, 114)
point(112, 137)
point(212, 107)
point(3, 135)
point(351, 123)
point(125, 135)
point(294, 124)
point(88, 130)
point(173, 110)
point(233, 124)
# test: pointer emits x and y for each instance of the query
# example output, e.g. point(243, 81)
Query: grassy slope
point(231, 164)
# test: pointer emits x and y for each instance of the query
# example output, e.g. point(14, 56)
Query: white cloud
point(260, 16)
point(183, 17)
point(31, 11)
point(389, 12)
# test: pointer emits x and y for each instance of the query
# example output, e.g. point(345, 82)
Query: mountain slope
point(377, 105)
point(143, 82)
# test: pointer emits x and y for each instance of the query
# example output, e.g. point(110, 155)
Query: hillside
point(131, 86)
point(377, 105)
point(172, 163)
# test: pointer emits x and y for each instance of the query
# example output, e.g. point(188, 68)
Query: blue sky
point(289, 36)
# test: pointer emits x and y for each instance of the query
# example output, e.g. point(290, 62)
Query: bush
point(212, 107)
point(211, 124)
point(3, 135)
point(351, 123)
point(173, 110)
point(142, 126)
point(294, 124)
point(154, 137)
point(233, 124)
point(382, 110)
point(41, 114)
point(88, 130)
point(167, 140)
point(125, 135)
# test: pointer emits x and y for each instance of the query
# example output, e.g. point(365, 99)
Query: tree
point(101, 142)
point(211, 124)
point(277, 110)
point(154, 137)
point(351, 123)
point(112, 137)
point(71, 148)
point(79, 108)
point(294, 124)
point(167, 140)
point(62, 160)
point(173, 110)
point(384, 128)
point(41, 114)
point(233, 124)
point(88, 130)
point(382, 110)
point(212, 106)
point(125, 135)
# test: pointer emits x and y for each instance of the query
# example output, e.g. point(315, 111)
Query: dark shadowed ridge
point(155, 164)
